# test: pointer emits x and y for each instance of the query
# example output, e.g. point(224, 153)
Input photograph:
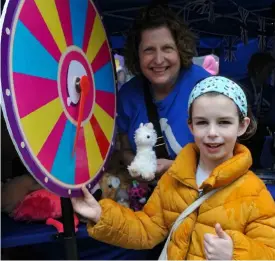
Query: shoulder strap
point(153, 117)
point(190, 209)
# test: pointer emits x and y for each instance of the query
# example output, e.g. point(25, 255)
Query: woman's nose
point(159, 58)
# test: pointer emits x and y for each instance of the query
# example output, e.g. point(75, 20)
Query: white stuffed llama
point(145, 161)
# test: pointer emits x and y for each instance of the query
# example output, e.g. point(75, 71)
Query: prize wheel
point(58, 91)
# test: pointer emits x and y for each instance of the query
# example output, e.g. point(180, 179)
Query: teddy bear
point(109, 185)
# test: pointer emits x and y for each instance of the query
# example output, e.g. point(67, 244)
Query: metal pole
point(69, 237)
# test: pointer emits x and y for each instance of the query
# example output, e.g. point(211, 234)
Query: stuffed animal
point(211, 65)
point(24, 199)
point(138, 193)
point(145, 161)
point(122, 197)
point(115, 188)
point(109, 185)
point(14, 191)
point(42, 205)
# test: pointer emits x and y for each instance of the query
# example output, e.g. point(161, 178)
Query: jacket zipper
point(200, 194)
point(197, 212)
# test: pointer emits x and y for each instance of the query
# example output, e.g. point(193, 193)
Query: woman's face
point(159, 57)
point(121, 77)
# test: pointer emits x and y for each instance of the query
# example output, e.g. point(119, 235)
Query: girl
point(237, 222)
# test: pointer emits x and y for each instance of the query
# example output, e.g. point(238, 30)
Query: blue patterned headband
point(223, 86)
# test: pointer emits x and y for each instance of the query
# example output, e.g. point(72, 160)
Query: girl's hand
point(87, 206)
point(218, 247)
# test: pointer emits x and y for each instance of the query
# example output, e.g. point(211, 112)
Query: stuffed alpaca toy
point(145, 161)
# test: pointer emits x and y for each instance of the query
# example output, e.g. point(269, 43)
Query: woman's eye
point(168, 48)
point(148, 50)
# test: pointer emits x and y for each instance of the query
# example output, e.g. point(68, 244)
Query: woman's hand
point(218, 247)
point(87, 206)
point(163, 165)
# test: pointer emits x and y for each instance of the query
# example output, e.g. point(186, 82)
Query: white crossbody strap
point(190, 209)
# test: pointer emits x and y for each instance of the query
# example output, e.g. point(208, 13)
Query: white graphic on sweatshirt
point(175, 146)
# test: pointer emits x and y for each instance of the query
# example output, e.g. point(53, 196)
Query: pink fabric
point(210, 65)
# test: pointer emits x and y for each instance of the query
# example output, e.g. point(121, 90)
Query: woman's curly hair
point(155, 17)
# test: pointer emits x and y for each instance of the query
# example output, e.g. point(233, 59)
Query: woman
point(159, 51)
point(121, 77)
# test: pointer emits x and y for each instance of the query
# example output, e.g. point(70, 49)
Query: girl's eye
point(201, 122)
point(225, 122)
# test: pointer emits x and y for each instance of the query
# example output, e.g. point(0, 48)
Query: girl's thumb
point(219, 231)
point(86, 192)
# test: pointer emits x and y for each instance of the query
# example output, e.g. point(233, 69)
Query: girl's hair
point(152, 18)
point(252, 127)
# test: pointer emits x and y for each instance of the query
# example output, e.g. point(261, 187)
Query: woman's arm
point(163, 165)
point(126, 151)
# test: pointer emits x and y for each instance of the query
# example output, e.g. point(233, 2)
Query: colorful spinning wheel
point(56, 72)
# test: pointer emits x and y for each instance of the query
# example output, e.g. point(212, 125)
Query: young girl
point(237, 222)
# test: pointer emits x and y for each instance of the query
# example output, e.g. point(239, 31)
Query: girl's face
point(159, 57)
point(216, 126)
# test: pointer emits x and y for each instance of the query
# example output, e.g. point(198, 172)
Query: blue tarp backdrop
point(236, 69)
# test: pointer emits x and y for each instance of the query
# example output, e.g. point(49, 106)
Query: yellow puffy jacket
point(244, 208)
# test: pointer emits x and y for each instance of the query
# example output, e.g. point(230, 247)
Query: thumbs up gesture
point(218, 247)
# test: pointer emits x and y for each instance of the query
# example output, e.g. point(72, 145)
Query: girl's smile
point(216, 127)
